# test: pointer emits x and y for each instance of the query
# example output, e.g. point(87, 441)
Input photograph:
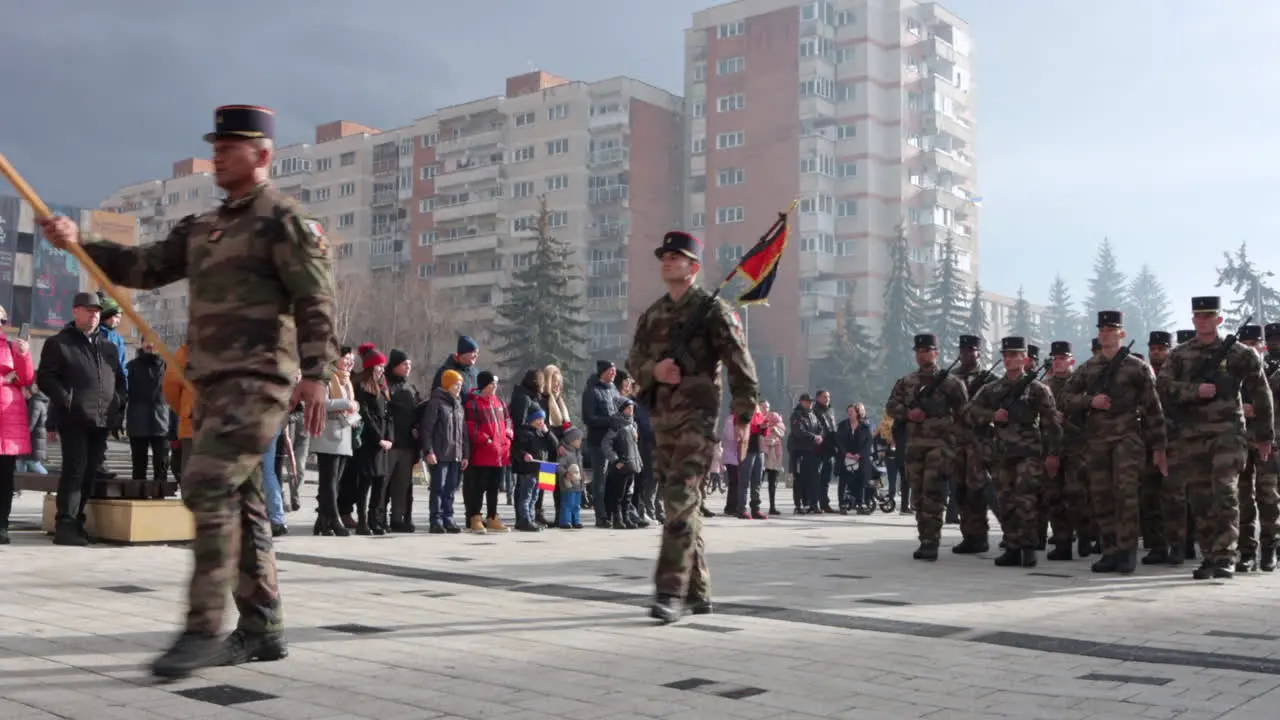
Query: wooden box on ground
point(131, 521)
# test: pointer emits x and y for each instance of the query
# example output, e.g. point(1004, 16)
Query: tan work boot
point(476, 525)
point(494, 524)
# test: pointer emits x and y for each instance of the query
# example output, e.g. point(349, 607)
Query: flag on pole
point(760, 264)
point(547, 476)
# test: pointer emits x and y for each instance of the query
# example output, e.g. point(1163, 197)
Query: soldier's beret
point(1159, 337)
point(680, 242)
point(1249, 332)
point(970, 342)
point(1272, 330)
point(1185, 336)
point(926, 341)
point(1059, 347)
point(1110, 318)
point(1013, 343)
point(1095, 345)
point(1206, 304)
point(246, 122)
point(1033, 352)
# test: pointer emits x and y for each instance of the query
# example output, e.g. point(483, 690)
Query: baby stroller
point(876, 494)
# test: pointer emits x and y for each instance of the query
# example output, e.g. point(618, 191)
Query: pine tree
point(978, 324)
point(901, 314)
point(1108, 287)
point(1149, 306)
point(1256, 297)
point(848, 368)
point(1021, 323)
point(946, 299)
point(540, 320)
point(1062, 322)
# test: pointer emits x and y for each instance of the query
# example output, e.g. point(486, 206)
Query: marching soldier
point(970, 480)
point(1028, 440)
point(685, 405)
point(1065, 493)
point(930, 405)
point(1203, 380)
point(1123, 418)
point(1152, 490)
point(261, 309)
point(1259, 503)
point(1269, 471)
point(1188, 529)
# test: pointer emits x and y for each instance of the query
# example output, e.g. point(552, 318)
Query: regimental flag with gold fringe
point(760, 265)
point(547, 476)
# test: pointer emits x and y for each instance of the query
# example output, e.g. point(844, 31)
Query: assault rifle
point(925, 392)
point(677, 349)
point(985, 377)
point(1273, 364)
point(1012, 402)
point(1101, 384)
point(1207, 372)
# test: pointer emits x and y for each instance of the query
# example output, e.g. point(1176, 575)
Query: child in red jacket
point(489, 432)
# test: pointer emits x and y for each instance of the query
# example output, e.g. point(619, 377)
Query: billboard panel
point(57, 278)
point(10, 207)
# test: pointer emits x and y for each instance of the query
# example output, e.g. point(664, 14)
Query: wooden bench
point(118, 461)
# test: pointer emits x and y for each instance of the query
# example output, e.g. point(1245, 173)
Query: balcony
point(470, 142)
point(938, 122)
point(609, 155)
point(608, 342)
point(488, 279)
point(383, 261)
point(386, 197)
point(608, 234)
point(475, 208)
point(468, 244)
point(608, 120)
point(387, 166)
point(474, 175)
point(941, 49)
point(954, 199)
point(814, 264)
point(817, 306)
point(601, 305)
point(610, 194)
point(607, 268)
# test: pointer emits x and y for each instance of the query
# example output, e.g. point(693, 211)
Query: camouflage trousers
point(235, 421)
point(1150, 515)
point(1018, 482)
point(1114, 468)
point(1165, 498)
point(1210, 467)
point(969, 481)
point(927, 468)
point(1259, 501)
point(1066, 501)
point(682, 457)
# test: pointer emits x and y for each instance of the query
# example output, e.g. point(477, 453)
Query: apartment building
point(862, 109)
point(999, 311)
point(608, 157)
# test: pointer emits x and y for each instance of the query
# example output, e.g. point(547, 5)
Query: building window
point(320, 194)
point(731, 176)
point(522, 189)
point(558, 112)
point(324, 164)
point(557, 182)
point(698, 110)
point(429, 171)
point(819, 204)
point(820, 164)
point(430, 139)
point(846, 132)
point(699, 220)
point(347, 159)
point(699, 71)
point(193, 194)
point(558, 147)
point(821, 243)
point(729, 215)
point(729, 103)
point(526, 118)
point(847, 208)
point(427, 238)
point(845, 55)
point(847, 170)
point(346, 220)
point(729, 66)
point(817, 87)
point(557, 219)
point(426, 205)
point(846, 93)
point(524, 154)
point(733, 29)
point(174, 197)
point(346, 189)
point(725, 141)
point(699, 145)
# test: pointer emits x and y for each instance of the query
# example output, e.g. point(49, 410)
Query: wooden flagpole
point(42, 210)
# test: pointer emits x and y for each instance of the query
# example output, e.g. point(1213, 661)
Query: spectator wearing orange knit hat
point(442, 434)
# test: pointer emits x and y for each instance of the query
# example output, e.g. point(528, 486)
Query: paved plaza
point(818, 617)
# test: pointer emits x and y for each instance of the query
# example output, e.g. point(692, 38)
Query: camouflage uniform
point(1256, 486)
point(969, 479)
point(1213, 447)
point(684, 423)
point(1066, 494)
point(930, 444)
point(1268, 482)
point(1030, 433)
point(1116, 444)
point(1152, 487)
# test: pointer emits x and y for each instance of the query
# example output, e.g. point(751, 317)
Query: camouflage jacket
point(260, 287)
point(696, 399)
point(1273, 380)
point(1222, 414)
point(943, 408)
point(974, 379)
point(1135, 406)
point(1170, 427)
point(1072, 431)
point(1032, 429)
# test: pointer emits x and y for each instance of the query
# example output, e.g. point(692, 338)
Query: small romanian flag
point(760, 264)
point(547, 476)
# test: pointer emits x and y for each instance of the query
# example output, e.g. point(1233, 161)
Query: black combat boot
point(665, 609)
point(1248, 563)
point(1157, 556)
point(1060, 551)
point(926, 552)
point(1084, 546)
point(1211, 569)
point(1106, 564)
point(698, 606)
point(972, 545)
point(1126, 562)
point(243, 646)
point(1029, 557)
point(1266, 560)
point(1012, 557)
point(191, 652)
point(1175, 557)
point(1043, 540)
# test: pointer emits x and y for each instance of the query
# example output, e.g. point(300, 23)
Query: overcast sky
point(1152, 122)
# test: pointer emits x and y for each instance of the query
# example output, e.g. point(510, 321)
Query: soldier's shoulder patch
point(314, 234)
point(735, 325)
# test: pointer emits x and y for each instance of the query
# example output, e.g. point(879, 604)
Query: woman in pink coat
point(16, 372)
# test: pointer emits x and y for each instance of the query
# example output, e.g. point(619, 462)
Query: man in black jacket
point(80, 372)
point(805, 442)
point(828, 452)
point(403, 407)
point(599, 402)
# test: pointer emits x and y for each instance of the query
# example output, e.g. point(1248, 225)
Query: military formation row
point(1117, 447)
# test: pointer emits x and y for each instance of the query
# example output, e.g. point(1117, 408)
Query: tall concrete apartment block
point(863, 109)
point(608, 157)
